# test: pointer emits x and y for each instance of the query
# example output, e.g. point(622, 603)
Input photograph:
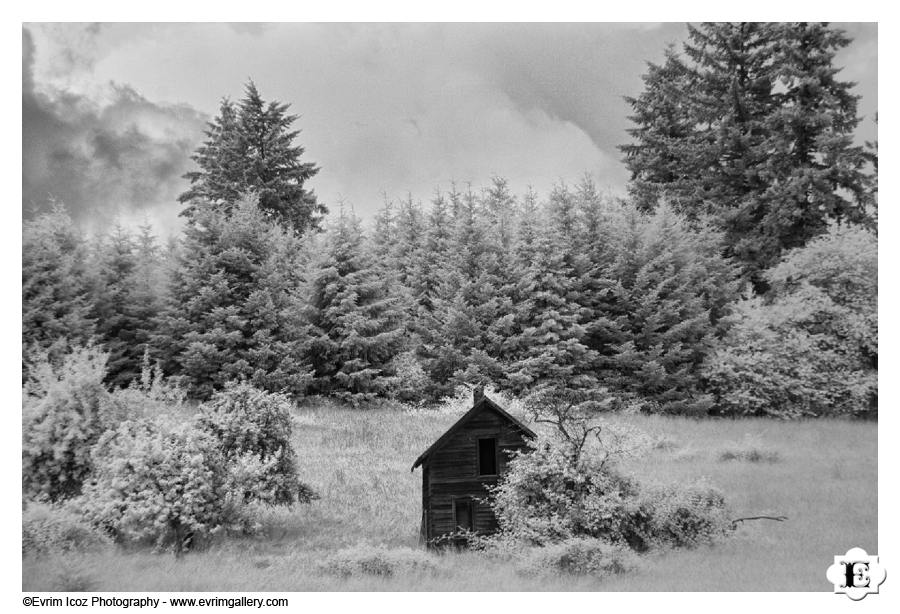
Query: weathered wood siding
point(452, 472)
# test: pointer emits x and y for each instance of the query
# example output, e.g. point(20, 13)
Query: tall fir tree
point(233, 310)
point(56, 286)
point(753, 129)
point(356, 325)
point(126, 300)
point(250, 147)
point(670, 280)
point(548, 346)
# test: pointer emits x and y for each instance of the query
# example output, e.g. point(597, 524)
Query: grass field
point(359, 462)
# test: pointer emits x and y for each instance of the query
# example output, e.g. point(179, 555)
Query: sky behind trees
point(112, 112)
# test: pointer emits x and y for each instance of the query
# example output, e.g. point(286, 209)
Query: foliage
point(680, 515)
point(234, 306)
point(811, 348)
point(752, 128)
point(249, 149)
point(56, 286)
point(126, 300)
point(410, 381)
point(549, 495)
point(579, 556)
point(549, 348)
point(65, 409)
point(159, 480)
point(52, 529)
point(253, 430)
point(368, 560)
point(562, 489)
point(668, 289)
point(355, 322)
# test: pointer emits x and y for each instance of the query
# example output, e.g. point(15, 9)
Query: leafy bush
point(409, 380)
point(158, 480)
point(65, 410)
point(679, 515)
point(148, 397)
point(550, 495)
point(367, 560)
point(811, 347)
point(579, 556)
point(49, 529)
point(253, 431)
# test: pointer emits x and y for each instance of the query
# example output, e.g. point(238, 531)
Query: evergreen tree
point(475, 317)
point(527, 229)
point(355, 323)
point(126, 301)
point(549, 348)
point(672, 279)
point(250, 147)
point(56, 286)
point(753, 129)
point(437, 250)
point(409, 252)
point(233, 306)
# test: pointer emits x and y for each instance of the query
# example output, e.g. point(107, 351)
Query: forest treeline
point(738, 277)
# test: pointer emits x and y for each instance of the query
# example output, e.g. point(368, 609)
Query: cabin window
point(463, 514)
point(487, 457)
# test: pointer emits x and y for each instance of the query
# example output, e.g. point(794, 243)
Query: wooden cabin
point(458, 467)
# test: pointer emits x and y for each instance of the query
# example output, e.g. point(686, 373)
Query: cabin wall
point(452, 472)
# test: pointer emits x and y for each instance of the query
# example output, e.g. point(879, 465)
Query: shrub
point(679, 515)
point(811, 346)
point(253, 431)
point(150, 396)
point(50, 529)
point(368, 560)
point(550, 495)
point(65, 410)
point(410, 381)
point(159, 480)
point(579, 556)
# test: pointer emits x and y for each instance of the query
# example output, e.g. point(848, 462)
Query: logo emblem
point(856, 574)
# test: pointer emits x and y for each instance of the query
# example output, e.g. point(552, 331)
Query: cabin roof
point(484, 403)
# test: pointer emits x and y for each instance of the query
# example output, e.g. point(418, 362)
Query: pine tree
point(355, 323)
point(233, 305)
point(56, 285)
point(753, 129)
point(672, 278)
point(549, 345)
point(409, 252)
point(437, 250)
point(250, 148)
point(474, 316)
point(126, 301)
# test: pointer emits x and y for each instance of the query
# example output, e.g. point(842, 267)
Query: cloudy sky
point(112, 112)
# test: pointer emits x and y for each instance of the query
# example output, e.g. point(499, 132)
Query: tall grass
point(359, 462)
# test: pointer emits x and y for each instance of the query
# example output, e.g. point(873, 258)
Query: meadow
point(359, 463)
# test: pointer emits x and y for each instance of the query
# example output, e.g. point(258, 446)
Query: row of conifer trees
point(477, 287)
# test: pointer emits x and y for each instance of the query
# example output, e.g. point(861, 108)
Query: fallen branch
point(735, 522)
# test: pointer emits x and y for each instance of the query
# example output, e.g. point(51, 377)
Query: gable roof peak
point(481, 404)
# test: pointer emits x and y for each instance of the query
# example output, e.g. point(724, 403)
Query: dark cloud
point(383, 107)
point(123, 157)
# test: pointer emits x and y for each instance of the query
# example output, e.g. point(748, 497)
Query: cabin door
point(463, 514)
